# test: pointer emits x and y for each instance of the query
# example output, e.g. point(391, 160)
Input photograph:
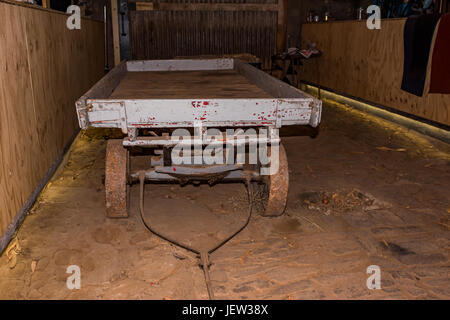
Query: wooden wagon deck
point(211, 84)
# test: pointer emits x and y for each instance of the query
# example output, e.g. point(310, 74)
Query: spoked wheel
point(116, 175)
point(273, 191)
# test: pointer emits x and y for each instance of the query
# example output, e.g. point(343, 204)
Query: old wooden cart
point(148, 100)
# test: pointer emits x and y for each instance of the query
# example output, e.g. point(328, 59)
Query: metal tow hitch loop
point(203, 255)
point(204, 261)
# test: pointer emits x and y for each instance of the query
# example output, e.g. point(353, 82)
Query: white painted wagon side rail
point(271, 85)
point(287, 94)
point(161, 113)
point(180, 65)
point(101, 90)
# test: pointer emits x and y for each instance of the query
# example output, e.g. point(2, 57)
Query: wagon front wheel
point(273, 192)
point(116, 175)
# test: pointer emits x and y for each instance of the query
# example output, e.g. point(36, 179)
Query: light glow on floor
point(410, 123)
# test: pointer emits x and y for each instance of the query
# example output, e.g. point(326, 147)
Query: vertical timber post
point(115, 29)
point(282, 25)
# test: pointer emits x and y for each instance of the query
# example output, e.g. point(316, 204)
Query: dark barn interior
point(348, 101)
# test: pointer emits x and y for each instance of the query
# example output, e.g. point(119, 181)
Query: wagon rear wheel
point(272, 193)
point(116, 175)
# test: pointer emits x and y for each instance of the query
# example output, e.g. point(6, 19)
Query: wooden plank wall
point(368, 64)
point(167, 29)
point(44, 68)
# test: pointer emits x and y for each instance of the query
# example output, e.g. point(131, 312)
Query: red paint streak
point(199, 104)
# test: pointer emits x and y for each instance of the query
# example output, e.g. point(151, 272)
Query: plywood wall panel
point(44, 68)
point(15, 91)
point(368, 64)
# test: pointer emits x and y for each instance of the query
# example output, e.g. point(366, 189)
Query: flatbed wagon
point(150, 100)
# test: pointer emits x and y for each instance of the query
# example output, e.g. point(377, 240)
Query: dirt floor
point(362, 192)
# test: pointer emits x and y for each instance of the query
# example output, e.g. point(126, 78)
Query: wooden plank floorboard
point(187, 84)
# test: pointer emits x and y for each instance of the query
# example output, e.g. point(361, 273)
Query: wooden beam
point(443, 7)
point(144, 6)
point(282, 25)
point(115, 29)
point(164, 6)
point(46, 3)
